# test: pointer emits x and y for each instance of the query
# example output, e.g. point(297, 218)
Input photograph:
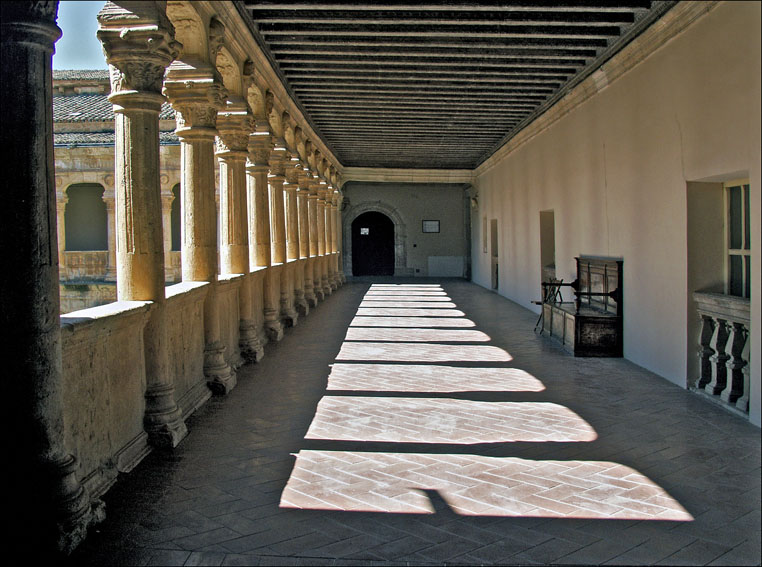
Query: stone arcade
point(647, 155)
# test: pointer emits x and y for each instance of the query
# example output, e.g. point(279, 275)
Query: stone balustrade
point(724, 348)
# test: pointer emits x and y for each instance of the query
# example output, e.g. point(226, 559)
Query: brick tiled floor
point(426, 425)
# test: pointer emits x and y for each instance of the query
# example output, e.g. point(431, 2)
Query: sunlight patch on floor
point(445, 420)
point(417, 352)
point(429, 378)
point(474, 485)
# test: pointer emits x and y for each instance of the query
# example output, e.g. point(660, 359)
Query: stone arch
point(190, 31)
point(400, 234)
point(231, 74)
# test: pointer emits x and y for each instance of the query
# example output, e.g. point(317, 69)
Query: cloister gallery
point(167, 220)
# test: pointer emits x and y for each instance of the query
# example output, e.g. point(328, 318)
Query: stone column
point(257, 168)
point(139, 45)
point(279, 158)
point(260, 150)
point(323, 238)
point(196, 98)
point(312, 205)
point(61, 199)
point(276, 179)
point(295, 299)
point(234, 126)
point(340, 240)
point(49, 509)
point(167, 197)
point(109, 197)
point(334, 279)
point(308, 297)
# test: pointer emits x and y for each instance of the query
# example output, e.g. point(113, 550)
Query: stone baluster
point(736, 344)
point(705, 352)
point(139, 45)
point(719, 359)
point(234, 126)
point(196, 98)
point(48, 508)
point(742, 403)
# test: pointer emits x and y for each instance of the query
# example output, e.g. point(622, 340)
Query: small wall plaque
point(431, 226)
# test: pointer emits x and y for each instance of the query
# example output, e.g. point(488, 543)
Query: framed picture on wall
point(430, 226)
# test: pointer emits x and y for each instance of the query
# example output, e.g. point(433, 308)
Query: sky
point(78, 48)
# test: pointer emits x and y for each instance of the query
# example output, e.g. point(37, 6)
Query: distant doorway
point(372, 245)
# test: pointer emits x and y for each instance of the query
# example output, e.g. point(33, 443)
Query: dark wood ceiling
point(437, 85)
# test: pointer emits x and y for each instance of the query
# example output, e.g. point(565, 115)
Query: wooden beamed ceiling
point(437, 85)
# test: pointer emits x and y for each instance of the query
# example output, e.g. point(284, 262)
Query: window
point(738, 239)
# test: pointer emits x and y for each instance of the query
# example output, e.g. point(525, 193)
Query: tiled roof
point(69, 139)
point(92, 108)
point(80, 74)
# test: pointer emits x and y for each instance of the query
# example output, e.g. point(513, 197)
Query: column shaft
point(53, 511)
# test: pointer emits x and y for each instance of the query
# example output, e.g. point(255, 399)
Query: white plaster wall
point(615, 172)
point(438, 252)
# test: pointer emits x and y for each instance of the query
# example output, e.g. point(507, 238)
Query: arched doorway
point(372, 245)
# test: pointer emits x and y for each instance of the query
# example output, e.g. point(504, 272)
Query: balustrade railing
point(724, 348)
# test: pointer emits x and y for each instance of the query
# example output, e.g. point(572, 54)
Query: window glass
point(735, 210)
point(747, 218)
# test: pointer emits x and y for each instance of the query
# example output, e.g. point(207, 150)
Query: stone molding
point(400, 234)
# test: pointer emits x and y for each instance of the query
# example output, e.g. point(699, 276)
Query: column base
point(75, 511)
point(252, 349)
point(273, 328)
point(220, 377)
point(319, 296)
point(163, 421)
point(288, 316)
point(302, 307)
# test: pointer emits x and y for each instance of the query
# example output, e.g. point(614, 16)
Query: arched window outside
point(176, 219)
point(85, 218)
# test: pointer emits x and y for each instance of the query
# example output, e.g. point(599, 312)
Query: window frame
point(745, 251)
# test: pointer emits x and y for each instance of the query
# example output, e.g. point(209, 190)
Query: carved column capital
point(139, 44)
point(234, 126)
point(278, 159)
point(260, 146)
point(292, 170)
point(196, 102)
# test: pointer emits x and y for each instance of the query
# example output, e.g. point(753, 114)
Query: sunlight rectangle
point(417, 352)
point(445, 420)
point(380, 321)
point(401, 312)
point(408, 304)
point(429, 378)
point(416, 335)
point(475, 485)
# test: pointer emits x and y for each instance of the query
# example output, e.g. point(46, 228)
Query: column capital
point(260, 146)
point(293, 169)
point(234, 126)
point(139, 43)
point(278, 159)
point(196, 98)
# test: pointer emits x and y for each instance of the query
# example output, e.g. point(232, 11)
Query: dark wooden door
point(372, 245)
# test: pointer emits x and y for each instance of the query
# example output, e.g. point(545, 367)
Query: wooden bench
point(591, 325)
